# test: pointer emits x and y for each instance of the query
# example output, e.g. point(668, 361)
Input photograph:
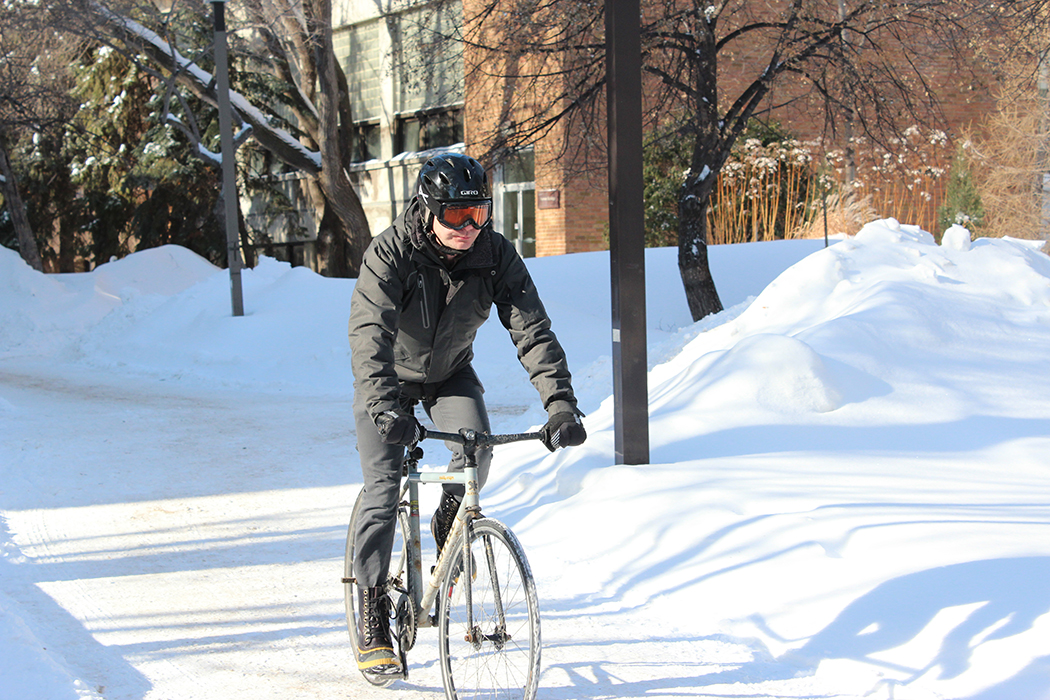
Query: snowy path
point(848, 496)
point(219, 578)
point(193, 579)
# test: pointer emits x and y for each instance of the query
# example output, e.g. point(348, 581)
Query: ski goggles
point(456, 215)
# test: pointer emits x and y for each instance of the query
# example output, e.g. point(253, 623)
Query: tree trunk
point(349, 233)
point(344, 233)
point(700, 292)
point(246, 239)
point(26, 241)
point(331, 249)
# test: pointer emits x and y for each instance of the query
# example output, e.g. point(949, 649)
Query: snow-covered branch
point(281, 143)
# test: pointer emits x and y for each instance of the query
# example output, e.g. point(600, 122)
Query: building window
point(359, 50)
point(429, 57)
point(366, 143)
point(429, 78)
point(415, 59)
point(429, 129)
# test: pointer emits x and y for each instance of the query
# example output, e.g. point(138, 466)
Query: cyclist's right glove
point(563, 430)
point(398, 428)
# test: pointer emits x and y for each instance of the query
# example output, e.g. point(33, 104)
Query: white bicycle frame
point(424, 595)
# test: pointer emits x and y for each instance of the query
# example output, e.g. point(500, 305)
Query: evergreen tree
point(665, 162)
point(145, 184)
point(962, 202)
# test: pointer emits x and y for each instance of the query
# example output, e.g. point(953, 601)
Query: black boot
point(444, 518)
point(375, 652)
point(441, 525)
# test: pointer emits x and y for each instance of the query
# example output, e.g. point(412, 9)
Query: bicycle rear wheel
point(491, 648)
point(395, 580)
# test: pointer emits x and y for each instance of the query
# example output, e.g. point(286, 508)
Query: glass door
point(519, 202)
point(519, 217)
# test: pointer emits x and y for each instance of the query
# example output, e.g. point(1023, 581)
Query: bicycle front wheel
point(489, 646)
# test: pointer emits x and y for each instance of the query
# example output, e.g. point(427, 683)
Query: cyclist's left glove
point(397, 428)
point(563, 430)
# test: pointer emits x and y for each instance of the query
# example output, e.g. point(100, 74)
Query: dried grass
point(762, 193)
point(772, 191)
point(846, 215)
point(1009, 158)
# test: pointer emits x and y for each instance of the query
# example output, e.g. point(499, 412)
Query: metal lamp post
point(627, 231)
point(229, 176)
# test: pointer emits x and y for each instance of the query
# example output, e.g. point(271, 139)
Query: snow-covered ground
point(848, 495)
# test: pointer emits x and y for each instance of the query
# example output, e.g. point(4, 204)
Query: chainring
point(406, 623)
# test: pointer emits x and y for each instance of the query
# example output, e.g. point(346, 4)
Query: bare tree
point(296, 41)
point(710, 67)
point(32, 99)
point(297, 36)
point(27, 246)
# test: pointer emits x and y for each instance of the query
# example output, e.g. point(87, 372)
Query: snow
point(848, 493)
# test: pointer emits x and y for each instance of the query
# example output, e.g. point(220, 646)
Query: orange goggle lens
point(456, 216)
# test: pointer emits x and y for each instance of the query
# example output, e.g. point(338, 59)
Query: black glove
point(399, 428)
point(563, 430)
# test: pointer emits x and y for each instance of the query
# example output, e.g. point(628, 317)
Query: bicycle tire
point(490, 664)
point(395, 579)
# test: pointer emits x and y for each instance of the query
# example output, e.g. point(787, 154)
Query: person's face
point(457, 240)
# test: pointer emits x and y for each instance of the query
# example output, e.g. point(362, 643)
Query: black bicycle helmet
point(452, 178)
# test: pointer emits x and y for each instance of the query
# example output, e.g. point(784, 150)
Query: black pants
point(453, 404)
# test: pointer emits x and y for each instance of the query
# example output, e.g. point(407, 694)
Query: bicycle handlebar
point(466, 436)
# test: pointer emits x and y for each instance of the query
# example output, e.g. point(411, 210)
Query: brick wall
point(580, 222)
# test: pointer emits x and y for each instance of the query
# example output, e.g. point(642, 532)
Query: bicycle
point(487, 610)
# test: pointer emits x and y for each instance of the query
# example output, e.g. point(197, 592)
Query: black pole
point(824, 199)
point(623, 54)
point(229, 175)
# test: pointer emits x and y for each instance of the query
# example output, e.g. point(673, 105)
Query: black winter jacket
point(414, 320)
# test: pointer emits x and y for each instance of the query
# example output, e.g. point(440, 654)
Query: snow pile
point(28, 670)
point(43, 315)
point(847, 495)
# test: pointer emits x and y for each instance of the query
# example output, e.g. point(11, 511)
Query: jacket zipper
point(423, 302)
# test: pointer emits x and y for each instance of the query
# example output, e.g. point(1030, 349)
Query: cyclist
point(427, 284)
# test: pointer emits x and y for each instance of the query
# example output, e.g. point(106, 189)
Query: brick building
point(400, 119)
point(409, 97)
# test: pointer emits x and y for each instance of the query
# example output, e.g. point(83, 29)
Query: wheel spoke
point(497, 657)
